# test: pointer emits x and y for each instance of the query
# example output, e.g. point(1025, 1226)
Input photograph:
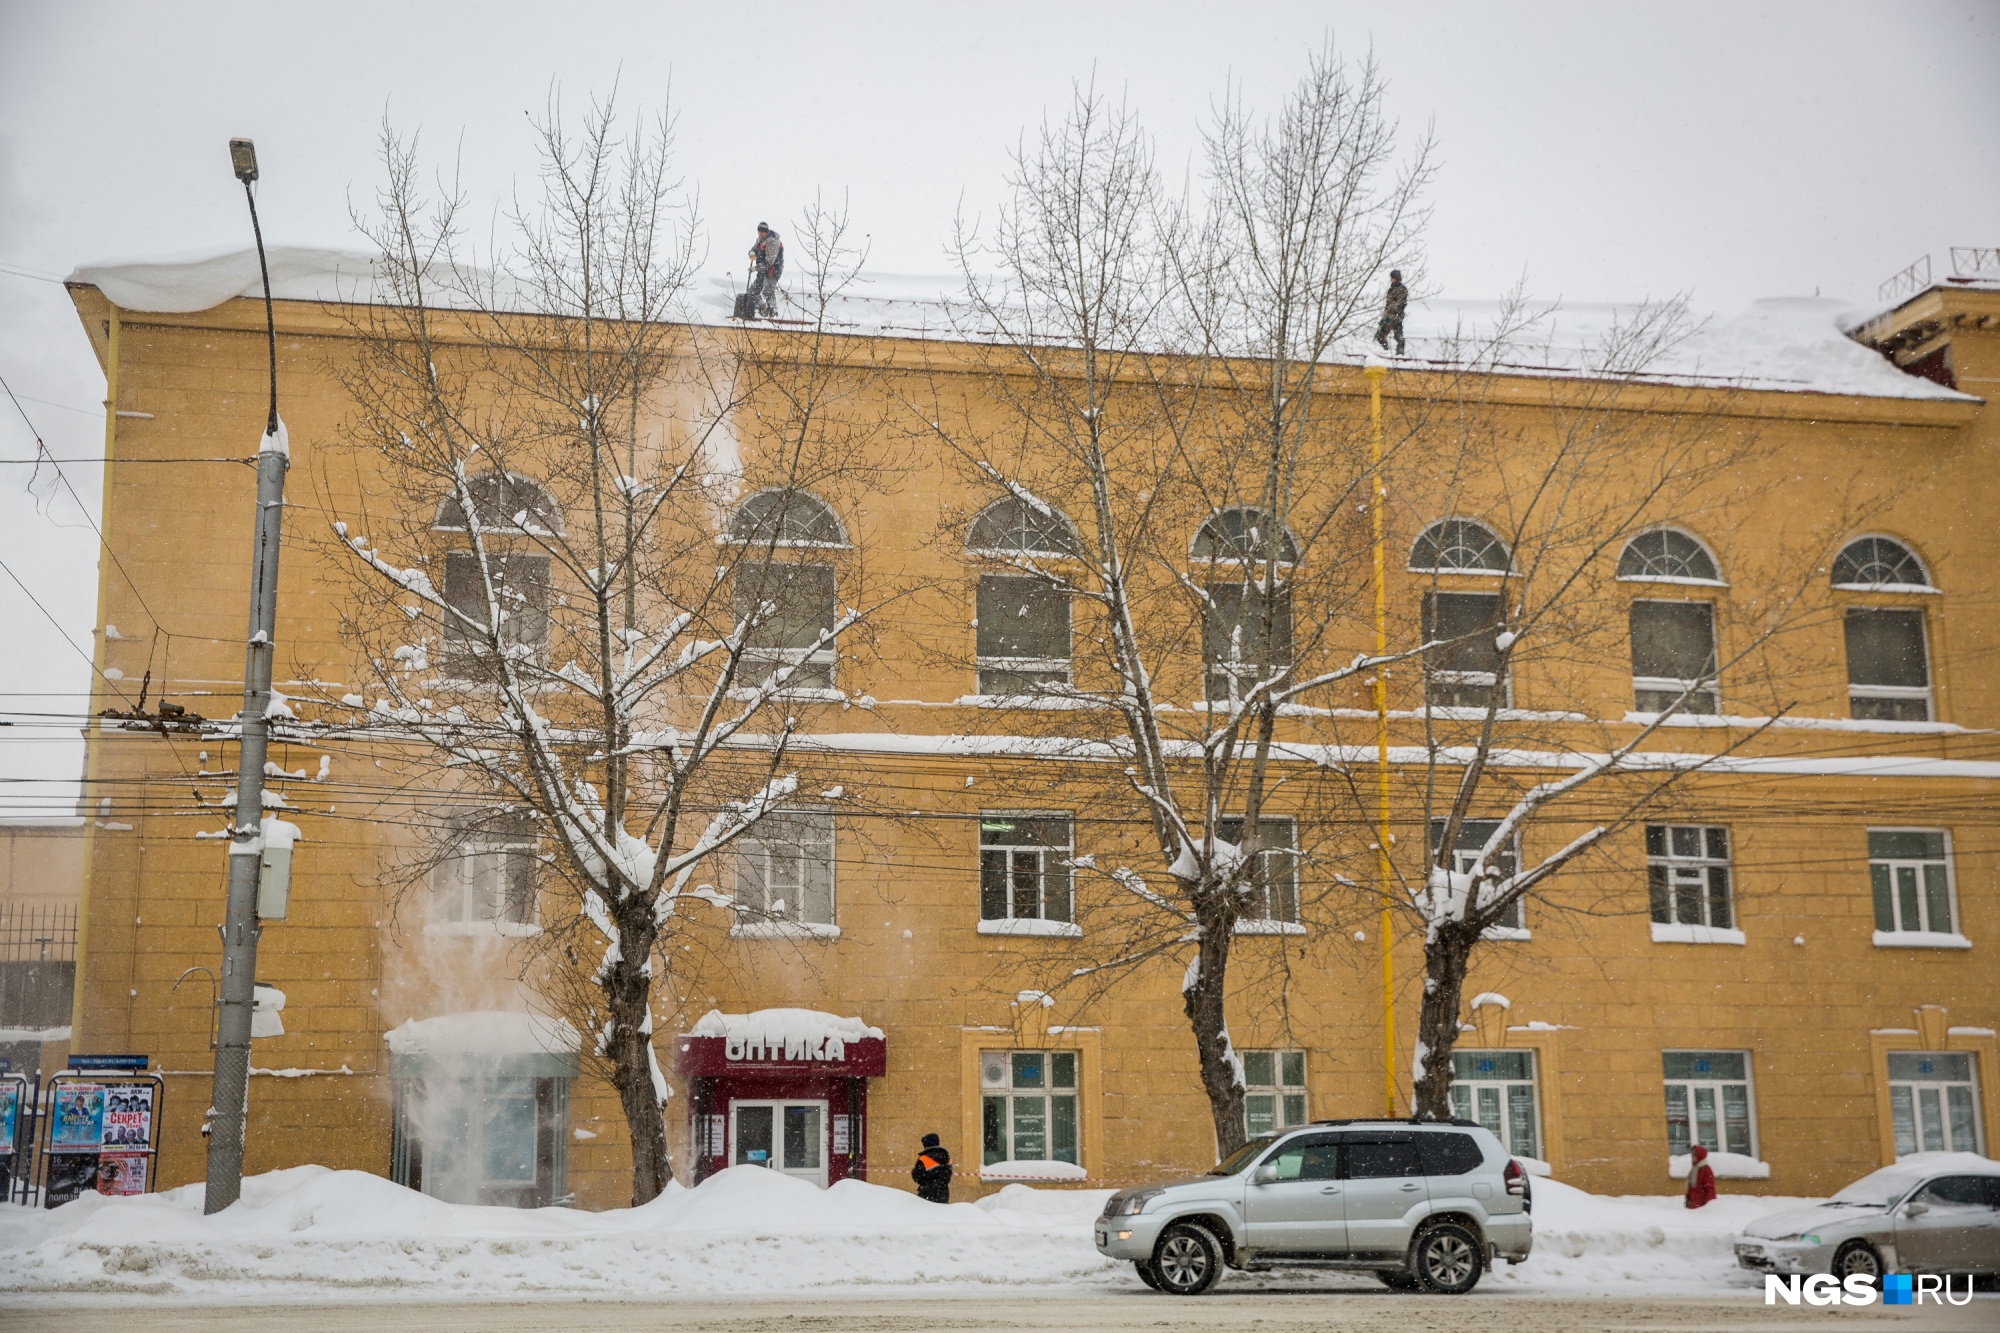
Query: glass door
point(782, 1135)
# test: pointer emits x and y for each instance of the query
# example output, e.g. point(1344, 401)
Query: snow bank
point(744, 1232)
point(489, 1032)
point(1012, 1170)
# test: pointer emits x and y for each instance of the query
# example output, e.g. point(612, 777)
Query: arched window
point(1238, 534)
point(1459, 546)
point(1667, 555)
point(502, 502)
point(1014, 527)
point(1878, 562)
point(786, 516)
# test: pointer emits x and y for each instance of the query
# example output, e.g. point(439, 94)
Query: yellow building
point(1806, 984)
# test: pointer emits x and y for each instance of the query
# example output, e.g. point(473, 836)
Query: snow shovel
point(745, 300)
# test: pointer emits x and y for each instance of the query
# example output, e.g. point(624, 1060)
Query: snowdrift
point(746, 1232)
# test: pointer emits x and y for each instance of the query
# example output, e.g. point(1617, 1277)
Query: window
point(785, 516)
point(1472, 836)
point(1462, 669)
point(1376, 1155)
point(1497, 1089)
point(1910, 873)
point(1028, 1107)
point(1274, 1091)
point(784, 869)
point(1459, 546)
point(1673, 652)
point(1933, 1102)
point(1242, 534)
point(1888, 672)
point(1687, 879)
point(1878, 562)
point(1443, 1154)
point(1024, 868)
point(488, 871)
point(1014, 527)
point(1022, 637)
point(1244, 643)
point(1708, 1102)
point(1272, 893)
point(788, 607)
point(1307, 1157)
point(1667, 555)
point(521, 592)
point(502, 502)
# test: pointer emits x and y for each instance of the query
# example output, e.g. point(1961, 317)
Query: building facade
point(1788, 962)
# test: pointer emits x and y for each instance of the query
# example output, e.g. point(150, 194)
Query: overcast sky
point(1605, 152)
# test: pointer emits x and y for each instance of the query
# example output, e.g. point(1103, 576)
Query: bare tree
point(1168, 456)
point(601, 586)
point(1528, 501)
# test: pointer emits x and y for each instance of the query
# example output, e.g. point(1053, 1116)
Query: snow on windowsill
point(1969, 1032)
point(1030, 925)
point(1922, 589)
point(1727, 1166)
point(1673, 934)
point(1676, 579)
point(1023, 1171)
point(1267, 927)
point(796, 693)
point(784, 930)
point(1920, 939)
point(502, 930)
point(1506, 933)
point(34, 1034)
point(1809, 723)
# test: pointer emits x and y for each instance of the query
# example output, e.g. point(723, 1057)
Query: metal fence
point(37, 964)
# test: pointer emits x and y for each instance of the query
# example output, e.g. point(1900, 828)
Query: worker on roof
point(767, 265)
point(1392, 312)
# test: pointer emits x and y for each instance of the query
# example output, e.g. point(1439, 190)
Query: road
point(1344, 1309)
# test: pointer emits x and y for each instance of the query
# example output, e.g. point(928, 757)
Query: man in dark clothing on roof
point(1392, 312)
point(933, 1171)
point(767, 265)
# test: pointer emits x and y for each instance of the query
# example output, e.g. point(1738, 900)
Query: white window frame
point(1676, 867)
point(1691, 1086)
point(1929, 585)
point(1926, 934)
point(1462, 859)
point(1466, 1101)
point(1004, 1090)
point(1288, 857)
point(1912, 1104)
point(1681, 580)
point(1709, 685)
point(1925, 693)
point(1290, 1101)
point(1059, 668)
point(1481, 572)
point(1046, 857)
point(841, 541)
point(768, 662)
point(755, 920)
point(1496, 681)
point(464, 880)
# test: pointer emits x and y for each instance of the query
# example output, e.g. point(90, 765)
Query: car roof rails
point(1400, 1120)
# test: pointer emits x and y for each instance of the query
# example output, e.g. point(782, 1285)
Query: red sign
point(709, 1056)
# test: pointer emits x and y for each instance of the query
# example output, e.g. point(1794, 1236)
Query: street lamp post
point(237, 994)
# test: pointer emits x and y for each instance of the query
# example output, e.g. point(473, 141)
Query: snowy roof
point(1783, 344)
point(782, 1027)
point(488, 1032)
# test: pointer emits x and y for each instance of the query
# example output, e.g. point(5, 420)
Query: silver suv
point(1422, 1204)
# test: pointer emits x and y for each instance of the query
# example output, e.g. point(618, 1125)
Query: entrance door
point(785, 1136)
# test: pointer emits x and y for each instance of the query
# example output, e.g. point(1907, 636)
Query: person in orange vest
point(933, 1171)
point(1701, 1178)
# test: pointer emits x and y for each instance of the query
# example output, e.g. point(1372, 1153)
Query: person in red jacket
point(1701, 1178)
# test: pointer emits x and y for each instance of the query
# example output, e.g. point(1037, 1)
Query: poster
point(121, 1173)
point(76, 1122)
point(68, 1176)
point(10, 1114)
point(128, 1116)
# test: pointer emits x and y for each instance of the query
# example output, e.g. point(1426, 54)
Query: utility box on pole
point(274, 871)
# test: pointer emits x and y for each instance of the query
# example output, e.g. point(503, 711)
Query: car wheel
point(1447, 1260)
point(1146, 1273)
point(1187, 1261)
point(1395, 1279)
point(1857, 1256)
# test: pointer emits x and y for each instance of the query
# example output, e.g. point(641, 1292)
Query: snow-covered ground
point(747, 1232)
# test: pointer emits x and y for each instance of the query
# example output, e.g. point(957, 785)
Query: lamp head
point(243, 157)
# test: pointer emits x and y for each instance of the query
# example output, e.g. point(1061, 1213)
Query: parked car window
point(1449, 1154)
point(1957, 1190)
point(1241, 1158)
point(1378, 1159)
point(1315, 1157)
